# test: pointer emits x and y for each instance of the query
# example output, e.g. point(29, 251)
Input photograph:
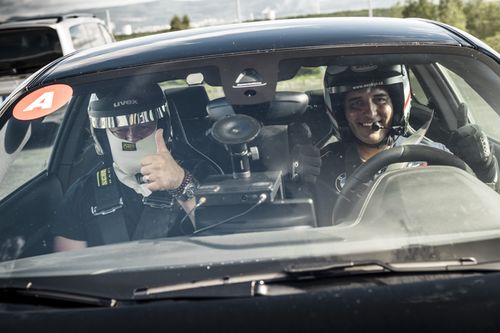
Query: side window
point(108, 38)
point(95, 35)
point(79, 37)
point(86, 35)
point(26, 147)
point(417, 92)
point(480, 112)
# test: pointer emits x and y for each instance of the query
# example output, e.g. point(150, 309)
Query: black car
point(271, 240)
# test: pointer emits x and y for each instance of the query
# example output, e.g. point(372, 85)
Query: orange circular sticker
point(42, 102)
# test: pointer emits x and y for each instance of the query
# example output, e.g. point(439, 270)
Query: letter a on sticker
point(42, 102)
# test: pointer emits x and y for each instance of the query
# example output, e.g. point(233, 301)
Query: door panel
point(27, 216)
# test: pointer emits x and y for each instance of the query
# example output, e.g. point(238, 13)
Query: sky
point(141, 14)
point(36, 7)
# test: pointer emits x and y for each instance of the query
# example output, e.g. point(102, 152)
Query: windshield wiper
point(232, 286)
point(374, 266)
point(255, 284)
point(27, 295)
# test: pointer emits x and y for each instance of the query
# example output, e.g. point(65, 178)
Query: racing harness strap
point(413, 139)
point(157, 218)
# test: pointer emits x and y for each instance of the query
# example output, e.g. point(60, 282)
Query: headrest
point(219, 108)
point(286, 107)
point(191, 102)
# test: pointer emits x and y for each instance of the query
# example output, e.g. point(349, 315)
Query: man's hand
point(471, 144)
point(306, 163)
point(161, 171)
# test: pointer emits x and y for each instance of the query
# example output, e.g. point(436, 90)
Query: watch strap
point(187, 185)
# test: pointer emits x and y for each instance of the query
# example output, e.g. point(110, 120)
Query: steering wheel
point(408, 153)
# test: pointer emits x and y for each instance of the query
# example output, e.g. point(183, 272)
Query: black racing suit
point(118, 214)
point(99, 209)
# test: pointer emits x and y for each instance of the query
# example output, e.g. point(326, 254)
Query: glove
point(306, 163)
point(471, 144)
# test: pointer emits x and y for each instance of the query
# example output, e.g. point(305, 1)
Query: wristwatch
point(187, 189)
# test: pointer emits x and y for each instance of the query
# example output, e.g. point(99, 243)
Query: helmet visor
point(134, 133)
point(110, 119)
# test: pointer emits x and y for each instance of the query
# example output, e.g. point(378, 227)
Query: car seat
point(323, 127)
point(190, 125)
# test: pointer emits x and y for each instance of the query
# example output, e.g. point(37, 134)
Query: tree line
point(177, 23)
point(480, 18)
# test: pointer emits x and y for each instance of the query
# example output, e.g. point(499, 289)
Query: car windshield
point(341, 153)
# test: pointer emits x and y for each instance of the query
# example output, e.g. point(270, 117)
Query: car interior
point(283, 118)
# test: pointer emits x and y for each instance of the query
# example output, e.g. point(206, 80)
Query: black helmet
point(341, 79)
point(128, 106)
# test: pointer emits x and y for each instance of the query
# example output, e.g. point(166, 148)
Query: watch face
point(188, 192)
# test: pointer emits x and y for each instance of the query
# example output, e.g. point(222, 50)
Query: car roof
point(44, 21)
point(264, 36)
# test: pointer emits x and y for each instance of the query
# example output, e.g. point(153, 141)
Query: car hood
point(273, 246)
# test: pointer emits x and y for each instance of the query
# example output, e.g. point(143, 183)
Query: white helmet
point(125, 107)
point(341, 79)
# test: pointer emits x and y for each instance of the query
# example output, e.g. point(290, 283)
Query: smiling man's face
point(366, 106)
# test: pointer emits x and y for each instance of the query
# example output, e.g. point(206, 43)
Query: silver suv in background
point(29, 43)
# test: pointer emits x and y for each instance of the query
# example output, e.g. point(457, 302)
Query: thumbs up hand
point(161, 171)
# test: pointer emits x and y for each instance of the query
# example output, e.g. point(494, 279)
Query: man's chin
point(372, 141)
point(369, 136)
